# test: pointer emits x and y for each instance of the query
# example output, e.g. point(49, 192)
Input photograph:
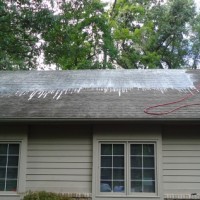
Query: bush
point(45, 196)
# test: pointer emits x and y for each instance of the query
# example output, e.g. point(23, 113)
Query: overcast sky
point(197, 2)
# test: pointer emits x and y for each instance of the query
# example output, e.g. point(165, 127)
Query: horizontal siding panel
point(181, 195)
point(53, 165)
point(181, 179)
point(180, 172)
point(177, 147)
point(46, 171)
point(62, 184)
point(177, 166)
point(59, 147)
point(10, 197)
point(65, 178)
point(182, 186)
point(181, 153)
point(60, 159)
point(59, 162)
point(74, 153)
point(181, 142)
point(181, 161)
point(174, 160)
point(69, 189)
point(55, 141)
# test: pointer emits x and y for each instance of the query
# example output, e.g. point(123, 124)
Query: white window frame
point(127, 168)
point(122, 134)
point(9, 143)
point(99, 174)
point(16, 134)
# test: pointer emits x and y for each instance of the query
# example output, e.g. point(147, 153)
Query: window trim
point(8, 143)
point(120, 133)
point(99, 164)
point(16, 134)
point(129, 193)
point(127, 167)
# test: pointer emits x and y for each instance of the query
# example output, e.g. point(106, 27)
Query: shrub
point(46, 196)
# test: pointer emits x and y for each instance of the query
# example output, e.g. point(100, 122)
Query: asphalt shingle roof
point(97, 94)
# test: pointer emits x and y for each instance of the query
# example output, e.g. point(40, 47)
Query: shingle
point(97, 94)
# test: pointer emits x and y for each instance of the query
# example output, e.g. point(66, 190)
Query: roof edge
point(142, 120)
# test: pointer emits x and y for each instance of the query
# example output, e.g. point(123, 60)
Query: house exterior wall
point(59, 159)
point(181, 161)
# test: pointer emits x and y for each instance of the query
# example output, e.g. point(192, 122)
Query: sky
point(198, 4)
point(196, 1)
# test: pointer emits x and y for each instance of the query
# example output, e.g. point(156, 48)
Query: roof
point(98, 94)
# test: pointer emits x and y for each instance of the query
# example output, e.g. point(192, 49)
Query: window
point(127, 168)
point(112, 168)
point(142, 168)
point(9, 159)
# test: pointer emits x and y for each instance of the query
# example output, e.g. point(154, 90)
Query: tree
point(79, 35)
point(152, 34)
point(18, 37)
point(172, 34)
point(132, 32)
point(82, 34)
point(195, 43)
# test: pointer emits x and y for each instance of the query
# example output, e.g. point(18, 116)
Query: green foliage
point(82, 34)
point(78, 35)
point(172, 33)
point(195, 42)
point(152, 34)
point(45, 196)
point(19, 34)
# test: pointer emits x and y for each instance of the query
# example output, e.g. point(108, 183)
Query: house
point(101, 134)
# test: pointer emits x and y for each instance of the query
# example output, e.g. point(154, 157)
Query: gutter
point(100, 120)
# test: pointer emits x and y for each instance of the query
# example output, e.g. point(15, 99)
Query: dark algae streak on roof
point(97, 94)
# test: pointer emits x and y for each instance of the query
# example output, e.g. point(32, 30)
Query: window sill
point(127, 196)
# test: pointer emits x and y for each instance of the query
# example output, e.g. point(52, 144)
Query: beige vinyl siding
point(181, 160)
point(60, 159)
point(10, 197)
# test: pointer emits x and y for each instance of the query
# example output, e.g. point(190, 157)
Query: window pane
point(148, 162)
point(118, 174)
point(118, 186)
point(106, 161)
point(106, 186)
point(3, 148)
point(2, 172)
point(11, 185)
point(12, 160)
point(2, 185)
point(118, 149)
point(14, 149)
point(136, 174)
point(136, 161)
point(118, 161)
point(12, 173)
point(106, 149)
point(148, 149)
point(149, 186)
point(106, 174)
point(3, 161)
point(136, 186)
point(148, 174)
point(136, 149)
